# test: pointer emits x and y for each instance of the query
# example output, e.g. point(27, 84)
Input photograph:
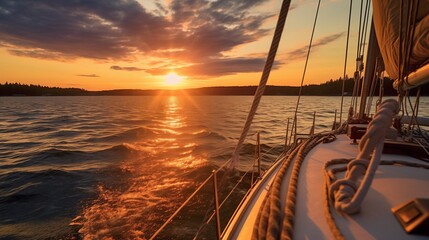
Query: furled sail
point(387, 21)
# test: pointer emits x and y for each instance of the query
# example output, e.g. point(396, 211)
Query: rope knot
point(362, 164)
point(330, 138)
point(346, 192)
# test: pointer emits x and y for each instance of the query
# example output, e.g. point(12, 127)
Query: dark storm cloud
point(126, 68)
point(87, 75)
point(122, 29)
point(301, 53)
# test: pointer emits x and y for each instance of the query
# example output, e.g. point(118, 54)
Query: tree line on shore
point(329, 88)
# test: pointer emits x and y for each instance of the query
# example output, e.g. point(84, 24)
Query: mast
point(373, 52)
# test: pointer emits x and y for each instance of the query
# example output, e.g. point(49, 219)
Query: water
point(117, 167)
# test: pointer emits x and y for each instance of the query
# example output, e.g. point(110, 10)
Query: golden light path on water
point(152, 182)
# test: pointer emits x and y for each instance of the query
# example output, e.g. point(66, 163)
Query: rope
point(268, 219)
point(270, 223)
point(329, 174)
point(345, 192)
point(289, 212)
point(264, 78)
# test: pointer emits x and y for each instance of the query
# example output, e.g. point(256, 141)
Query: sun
point(172, 79)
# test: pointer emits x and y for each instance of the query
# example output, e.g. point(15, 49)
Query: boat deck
point(392, 186)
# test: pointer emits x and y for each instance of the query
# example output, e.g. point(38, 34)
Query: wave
point(23, 119)
point(64, 134)
point(209, 135)
point(73, 159)
point(27, 129)
point(127, 136)
point(37, 194)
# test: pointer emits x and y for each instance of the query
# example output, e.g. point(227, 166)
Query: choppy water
point(117, 167)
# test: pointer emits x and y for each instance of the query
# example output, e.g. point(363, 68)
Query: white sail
point(387, 21)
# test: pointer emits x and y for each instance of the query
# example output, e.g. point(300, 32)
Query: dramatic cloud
point(88, 75)
point(89, 29)
point(217, 67)
point(126, 68)
point(189, 32)
point(301, 53)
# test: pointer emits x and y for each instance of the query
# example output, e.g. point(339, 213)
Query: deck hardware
point(414, 216)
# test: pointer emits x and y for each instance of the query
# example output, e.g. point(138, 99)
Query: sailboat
point(368, 178)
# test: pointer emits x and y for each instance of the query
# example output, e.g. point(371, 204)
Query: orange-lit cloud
point(131, 69)
point(192, 34)
point(216, 67)
point(301, 53)
point(87, 75)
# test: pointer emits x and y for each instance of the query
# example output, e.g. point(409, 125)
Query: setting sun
point(172, 79)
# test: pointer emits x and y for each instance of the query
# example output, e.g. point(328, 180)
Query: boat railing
point(256, 175)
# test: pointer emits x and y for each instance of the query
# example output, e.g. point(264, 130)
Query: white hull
point(392, 186)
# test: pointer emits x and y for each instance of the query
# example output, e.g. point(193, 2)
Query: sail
point(387, 21)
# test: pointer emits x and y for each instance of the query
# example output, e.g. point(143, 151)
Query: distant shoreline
point(330, 88)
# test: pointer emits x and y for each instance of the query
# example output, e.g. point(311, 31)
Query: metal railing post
point(287, 132)
point(314, 124)
point(216, 198)
point(259, 154)
point(335, 121)
point(293, 132)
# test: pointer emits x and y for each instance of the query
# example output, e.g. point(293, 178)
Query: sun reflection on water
point(151, 183)
point(173, 117)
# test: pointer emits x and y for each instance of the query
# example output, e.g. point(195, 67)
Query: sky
point(158, 44)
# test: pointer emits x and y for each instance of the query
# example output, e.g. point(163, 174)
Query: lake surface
point(117, 167)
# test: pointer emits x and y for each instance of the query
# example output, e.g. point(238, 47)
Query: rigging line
point(366, 23)
point(414, 109)
point(358, 39)
point(372, 88)
point(264, 78)
point(400, 85)
point(381, 90)
point(360, 53)
point(363, 36)
point(363, 25)
point(180, 208)
point(417, 103)
point(345, 61)
point(357, 56)
point(356, 77)
point(306, 60)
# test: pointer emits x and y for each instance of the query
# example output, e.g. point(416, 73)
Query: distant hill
point(329, 88)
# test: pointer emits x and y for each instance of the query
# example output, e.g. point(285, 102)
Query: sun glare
point(172, 79)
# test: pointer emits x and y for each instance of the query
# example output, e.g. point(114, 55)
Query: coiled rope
point(271, 224)
point(347, 193)
point(329, 174)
